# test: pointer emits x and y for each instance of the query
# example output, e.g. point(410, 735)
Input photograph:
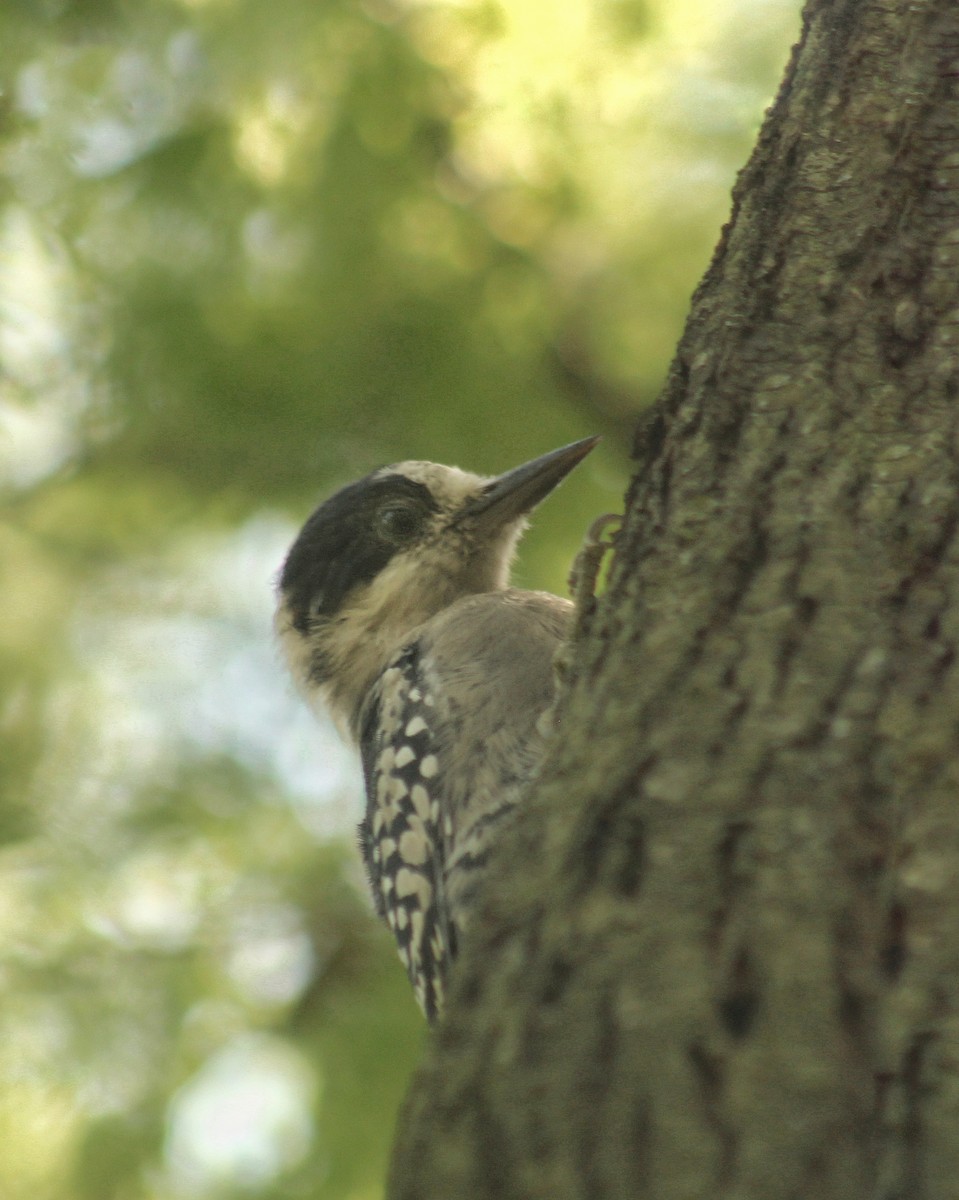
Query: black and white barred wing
point(400, 835)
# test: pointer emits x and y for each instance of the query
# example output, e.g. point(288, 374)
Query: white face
point(387, 553)
point(335, 654)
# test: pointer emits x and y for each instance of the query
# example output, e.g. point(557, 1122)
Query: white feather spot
point(412, 883)
point(417, 725)
point(416, 922)
point(404, 756)
point(421, 801)
point(397, 788)
point(413, 848)
point(429, 766)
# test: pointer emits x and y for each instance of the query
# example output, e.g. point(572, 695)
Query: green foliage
point(250, 249)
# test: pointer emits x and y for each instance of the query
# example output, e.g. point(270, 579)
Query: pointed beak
point(517, 492)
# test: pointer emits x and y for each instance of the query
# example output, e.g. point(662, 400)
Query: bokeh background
point(250, 249)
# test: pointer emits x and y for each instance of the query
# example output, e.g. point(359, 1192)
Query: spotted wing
point(400, 835)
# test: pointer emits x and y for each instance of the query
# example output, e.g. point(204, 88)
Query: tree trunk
point(723, 954)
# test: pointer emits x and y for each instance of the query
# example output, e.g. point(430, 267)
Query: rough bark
point(723, 954)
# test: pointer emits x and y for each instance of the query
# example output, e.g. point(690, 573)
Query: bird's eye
point(397, 522)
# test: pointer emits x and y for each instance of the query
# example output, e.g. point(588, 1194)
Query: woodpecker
point(396, 617)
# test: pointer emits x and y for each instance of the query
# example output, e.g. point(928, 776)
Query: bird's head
point(384, 554)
